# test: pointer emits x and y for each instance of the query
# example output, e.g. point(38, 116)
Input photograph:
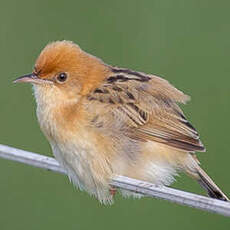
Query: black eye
point(62, 77)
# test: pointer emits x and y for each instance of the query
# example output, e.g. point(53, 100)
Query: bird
point(102, 121)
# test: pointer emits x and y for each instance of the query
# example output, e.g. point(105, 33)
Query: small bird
point(102, 121)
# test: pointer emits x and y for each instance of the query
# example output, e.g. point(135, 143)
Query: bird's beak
point(32, 78)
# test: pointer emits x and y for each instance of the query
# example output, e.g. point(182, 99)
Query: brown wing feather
point(148, 105)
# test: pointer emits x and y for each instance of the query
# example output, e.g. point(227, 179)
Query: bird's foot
point(112, 191)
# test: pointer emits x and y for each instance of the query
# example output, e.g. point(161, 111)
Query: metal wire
point(147, 189)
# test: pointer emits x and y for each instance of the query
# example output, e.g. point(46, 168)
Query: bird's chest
point(75, 157)
point(72, 145)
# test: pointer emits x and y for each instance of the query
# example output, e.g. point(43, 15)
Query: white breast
point(74, 152)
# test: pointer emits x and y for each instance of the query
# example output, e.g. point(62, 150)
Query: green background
point(186, 42)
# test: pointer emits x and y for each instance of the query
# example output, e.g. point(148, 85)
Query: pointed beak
point(31, 78)
point(26, 78)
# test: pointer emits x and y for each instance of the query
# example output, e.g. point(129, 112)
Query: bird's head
point(64, 70)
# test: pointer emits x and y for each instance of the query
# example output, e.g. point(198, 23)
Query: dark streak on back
point(130, 72)
point(140, 77)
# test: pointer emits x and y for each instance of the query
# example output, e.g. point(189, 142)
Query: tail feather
point(207, 183)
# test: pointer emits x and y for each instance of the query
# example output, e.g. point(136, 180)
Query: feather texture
point(149, 109)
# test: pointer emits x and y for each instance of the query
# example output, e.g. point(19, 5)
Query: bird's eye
point(62, 77)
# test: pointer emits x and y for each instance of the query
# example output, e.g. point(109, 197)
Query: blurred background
point(186, 42)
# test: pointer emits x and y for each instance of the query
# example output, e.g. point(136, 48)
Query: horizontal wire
point(137, 186)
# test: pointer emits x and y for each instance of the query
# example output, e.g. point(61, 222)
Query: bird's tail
point(207, 183)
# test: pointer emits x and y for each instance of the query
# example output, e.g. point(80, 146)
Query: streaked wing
point(147, 107)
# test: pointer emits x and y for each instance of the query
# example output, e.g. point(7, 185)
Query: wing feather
point(148, 105)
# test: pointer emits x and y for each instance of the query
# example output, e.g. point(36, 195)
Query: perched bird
point(103, 121)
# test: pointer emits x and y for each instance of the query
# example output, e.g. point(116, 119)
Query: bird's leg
point(112, 191)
